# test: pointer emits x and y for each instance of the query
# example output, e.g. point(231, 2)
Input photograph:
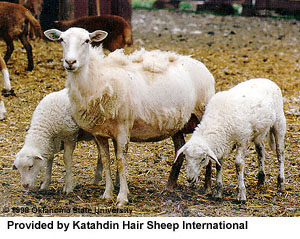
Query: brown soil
point(234, 49)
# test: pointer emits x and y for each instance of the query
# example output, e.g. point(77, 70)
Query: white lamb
point(248, 111)
point(147, 96)
point(51, 128)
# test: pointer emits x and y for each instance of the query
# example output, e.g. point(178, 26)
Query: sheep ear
point(53, 34)
point(98, 35)
point(180, 151)
point(38, 158)
point(210, 154)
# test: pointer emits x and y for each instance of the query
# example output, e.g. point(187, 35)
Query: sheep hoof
point(208, 191)
point(107, 196)
point(45, 186)
point(261, 179)
point(242, 202)
point(122, 199)
point(121, 203)
point(68, 190)
point(29, 68)
point(171, 184)
point(241, 196)
point(7, 93)
point(96, 182)
point(280, 184)
point(217, 194)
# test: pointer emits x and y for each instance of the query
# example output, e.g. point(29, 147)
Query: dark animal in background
point(119, 31)
point(14, 22)
point(34, 6)
point(171, 4)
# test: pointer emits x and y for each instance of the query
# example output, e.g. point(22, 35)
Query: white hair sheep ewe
point(51, 128)
point(248, 111)
point(146, 96)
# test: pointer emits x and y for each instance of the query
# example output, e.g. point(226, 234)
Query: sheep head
point(198, 154)
point(76, 43)
point(29, 163)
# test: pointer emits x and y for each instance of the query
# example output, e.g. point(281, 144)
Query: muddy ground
point(234, 49)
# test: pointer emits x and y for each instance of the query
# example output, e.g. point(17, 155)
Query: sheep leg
point(117, 173)
point(122, 147)
point(104, 154)
point(178, 141)
point(260, 149)
point(28, 49)
point(2, 110)
point(98, 174)
point(240, 166)
point(9, 49)
point(68, 152)
point(279, 139)
point(280, 156)
point(46, 183)
point(219, 181)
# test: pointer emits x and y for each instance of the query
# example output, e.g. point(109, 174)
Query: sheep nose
point(192, 180)
point(70, 62)
point(26, 185)
point(189, 180)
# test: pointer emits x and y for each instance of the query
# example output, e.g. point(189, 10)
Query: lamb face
point(29, 165)
point(198, 154)
point(196, 158)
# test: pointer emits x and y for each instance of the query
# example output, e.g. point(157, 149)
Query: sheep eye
point(60, 40)
point(30, 167)
point(87, 41)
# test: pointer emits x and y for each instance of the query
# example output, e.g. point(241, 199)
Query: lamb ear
point(38, 157)
point(210, 154)
point(53, 34)
point(180, 151)
point(98, 35)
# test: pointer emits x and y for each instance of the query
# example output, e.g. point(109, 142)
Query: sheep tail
point(34, 23)
point(128, 35)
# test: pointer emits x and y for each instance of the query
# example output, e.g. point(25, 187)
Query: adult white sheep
point(51, 128)
point(146, 96)
point(248, 111)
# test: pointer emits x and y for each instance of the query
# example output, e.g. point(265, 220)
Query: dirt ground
point(234, 49)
